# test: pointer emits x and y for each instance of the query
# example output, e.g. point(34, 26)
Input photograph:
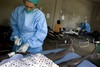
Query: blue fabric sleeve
point(41, 32)
point(87, 27)
point(13, 23)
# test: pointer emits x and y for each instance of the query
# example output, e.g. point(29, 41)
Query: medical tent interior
point(71, 13)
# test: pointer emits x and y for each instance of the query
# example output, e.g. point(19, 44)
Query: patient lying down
point(55, 56)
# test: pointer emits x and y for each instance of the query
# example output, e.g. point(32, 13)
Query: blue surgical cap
point(34, 1)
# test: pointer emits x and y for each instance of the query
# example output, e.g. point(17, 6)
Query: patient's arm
point(52, 56)
point(72, 62)
point(7, 56)
point(3, 57)
point(77, 61)
point(55, 56)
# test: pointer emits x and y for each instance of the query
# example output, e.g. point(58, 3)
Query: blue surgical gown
point(86, 26)
point(31, 28)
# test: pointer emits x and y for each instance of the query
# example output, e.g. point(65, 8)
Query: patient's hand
point(23, 53)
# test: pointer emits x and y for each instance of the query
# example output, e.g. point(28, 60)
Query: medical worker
point(85, 26)
point(29, 27)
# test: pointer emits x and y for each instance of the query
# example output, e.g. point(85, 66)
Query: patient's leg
point(77, 61)
point(55, 56)
point(23, 53)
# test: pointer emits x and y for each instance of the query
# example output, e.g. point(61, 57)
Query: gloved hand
point(23, 48)
point(11, 54)
point(17, 41)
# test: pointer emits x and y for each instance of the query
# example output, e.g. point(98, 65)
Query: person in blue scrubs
point(85, 26)
point(29, 27)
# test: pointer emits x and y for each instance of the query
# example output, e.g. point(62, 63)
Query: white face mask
point(29, 11)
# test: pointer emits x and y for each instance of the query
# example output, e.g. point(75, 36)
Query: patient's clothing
point(37, 60)
point(15, 57)
point(57, 28)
